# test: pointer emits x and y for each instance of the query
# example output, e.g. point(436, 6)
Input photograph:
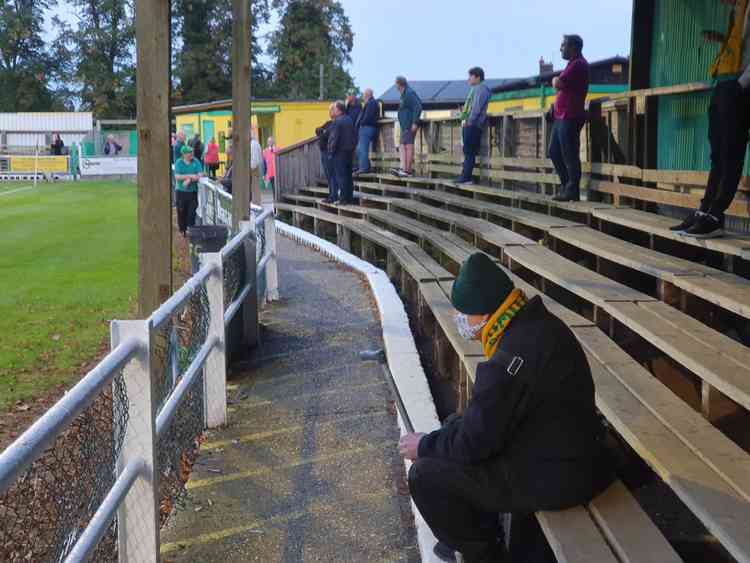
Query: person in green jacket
point(187, 172)
point(409, 112)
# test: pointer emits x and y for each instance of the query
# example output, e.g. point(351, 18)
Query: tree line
point(89, 65)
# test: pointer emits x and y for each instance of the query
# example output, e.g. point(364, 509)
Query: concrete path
point(308, 468)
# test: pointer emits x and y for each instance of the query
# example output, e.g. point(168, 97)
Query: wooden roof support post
point(154, 164)
point(241, 126)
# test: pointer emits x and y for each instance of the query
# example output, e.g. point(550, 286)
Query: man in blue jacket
point(409, 111)
point(473, 122)
point(529, 439)
point(368, 129)
point(342, 141)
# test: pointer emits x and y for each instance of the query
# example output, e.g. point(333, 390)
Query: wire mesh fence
point(44, 513)
point(235, 274)
point(176, 344)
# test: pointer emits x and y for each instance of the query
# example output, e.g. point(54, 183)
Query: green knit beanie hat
point(482, 286)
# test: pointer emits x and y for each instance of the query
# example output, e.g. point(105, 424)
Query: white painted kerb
point(401, 352)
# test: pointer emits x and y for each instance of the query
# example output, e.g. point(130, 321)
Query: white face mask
point(466, 329)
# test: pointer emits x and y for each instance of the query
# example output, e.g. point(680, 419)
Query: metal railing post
point(215, 370)
point(250, 307)
point(138, 515)
point(272, 268)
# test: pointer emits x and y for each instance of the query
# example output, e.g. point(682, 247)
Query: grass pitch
point(68, 265)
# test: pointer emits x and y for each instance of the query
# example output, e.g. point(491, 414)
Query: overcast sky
point(441, 39)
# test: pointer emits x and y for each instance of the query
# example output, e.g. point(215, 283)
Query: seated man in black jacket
point(529, 438)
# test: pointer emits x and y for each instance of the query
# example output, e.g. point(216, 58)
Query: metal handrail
point(32, 443)
point(233, 244)
point(235, 305)
point(169, 409)
point(97, 527)
point(178, 299)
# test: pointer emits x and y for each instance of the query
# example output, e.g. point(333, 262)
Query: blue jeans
point(472, 142)
point(342, 166)
point(366, 137)
point(565, 152)
point(327, 163)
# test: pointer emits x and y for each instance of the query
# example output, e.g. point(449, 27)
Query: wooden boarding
point(727, 291)
point(302, 199)
point(705, 493)
point(628, 530)
point(420, 266)
point(712, 356)
point(733, 245)
point(589, 285)
point(313, 212)
point(725, 457)
point(574, 537)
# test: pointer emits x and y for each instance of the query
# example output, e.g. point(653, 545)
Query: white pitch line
point(27, 188)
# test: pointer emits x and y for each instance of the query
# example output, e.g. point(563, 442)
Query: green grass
point(68, 265)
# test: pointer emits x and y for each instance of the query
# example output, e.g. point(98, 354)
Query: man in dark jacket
point(368, 129)
point(342, 140)
point(473, 122)
point(353, 108)
point(529, 438)
point(326, 163)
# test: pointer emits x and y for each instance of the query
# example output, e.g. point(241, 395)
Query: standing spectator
point(409, 111)
point(728, 125)
point(368, 130)
point(269, 157)
point(570, 115)
point(172, 143)
point(198, 148)
point(226, 180)
point(112, 147)
point(473, 122)
point(178, 144)
point(353, 108)
point(342, 141)
point(188, 171)
point(212, 158)
point(326, 162)
point(56, 148)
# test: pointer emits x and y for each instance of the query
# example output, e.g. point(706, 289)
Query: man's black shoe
point(444, 552)
point(462, 181)
point(396, 171)
point(327, 200)
point(689, 221)
point(707, 226)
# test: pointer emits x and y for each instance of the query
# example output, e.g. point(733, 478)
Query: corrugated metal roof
point(46, 122)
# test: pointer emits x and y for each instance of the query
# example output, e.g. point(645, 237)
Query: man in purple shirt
point(570, 114)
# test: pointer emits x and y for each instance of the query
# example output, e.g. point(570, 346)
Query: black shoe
point(444, 552)
point(689, 221)
point(327, 200)
point(396, 171)
point(707, 226)
point(406, 174)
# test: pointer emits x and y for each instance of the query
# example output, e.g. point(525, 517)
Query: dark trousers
point(728, 125)
point(212, 168)
point(462, 506)
point(187, 205)
point(342, 166)
point(472, 137)
point(565, 152)
point(367, 135)
point(327, 164)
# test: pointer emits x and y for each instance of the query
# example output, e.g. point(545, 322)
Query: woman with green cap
point(187, 172)
point(529, 439)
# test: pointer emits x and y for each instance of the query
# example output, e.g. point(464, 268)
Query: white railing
point(172, 367)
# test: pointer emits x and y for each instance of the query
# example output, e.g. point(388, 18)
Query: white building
point(23, 132)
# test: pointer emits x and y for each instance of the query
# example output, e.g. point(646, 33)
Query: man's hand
point(556, 82)
point(408, 445)
point(414, 128)
point(186, 183)
point(463, 123)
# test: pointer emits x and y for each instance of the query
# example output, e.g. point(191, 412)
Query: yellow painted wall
point(531, 103)
point(297, 121)
point(48, 164)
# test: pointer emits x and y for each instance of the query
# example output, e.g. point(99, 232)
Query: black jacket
point(532, 415)
point(370, 114)
point(354, 110)
point(322, 132)
point(342, 136)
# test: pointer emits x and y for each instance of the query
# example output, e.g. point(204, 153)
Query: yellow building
point(542, 97)
point(288, 122)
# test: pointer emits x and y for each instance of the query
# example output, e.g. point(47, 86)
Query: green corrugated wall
point(680, 55)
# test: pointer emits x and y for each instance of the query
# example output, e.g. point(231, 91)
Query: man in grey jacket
point(473, 121)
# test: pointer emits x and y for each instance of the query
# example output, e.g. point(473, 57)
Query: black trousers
point(187, 205)
point(342, 167)
point(728, 125)
point(472, 137)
